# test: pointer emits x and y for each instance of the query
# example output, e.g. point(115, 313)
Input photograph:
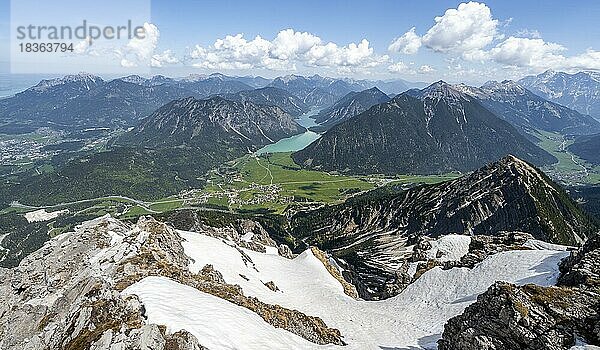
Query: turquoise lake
point(296, 142)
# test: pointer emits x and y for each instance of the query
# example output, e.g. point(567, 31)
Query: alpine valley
point(300, 212)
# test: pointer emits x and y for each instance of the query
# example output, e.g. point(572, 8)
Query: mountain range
point(352, 104)
point(435, 130)
point(171, 232)
point(217, 126)
point(271, 96)
point(529, 112)
point(84, 100)
point(579, 91)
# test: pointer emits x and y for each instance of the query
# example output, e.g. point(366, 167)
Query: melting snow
point(248, 236)
point(537, 244)
point(43, 215)
point(217, 323)
point(449, 248)
point(415, 318)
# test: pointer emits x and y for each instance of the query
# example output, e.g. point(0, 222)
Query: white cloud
point(353, 55)
point(409, 43)
point(139, 51)
point(541, 55)
point(83, 47)
point(525, 52)
point(166, 57)
point(469, 32)
point(127, 63)
point(289, 44)
point(464, 30)
point(588, 60)
point(283, 53)
point(529, 33)
point(235, 52)
point(426, 69)
point(400, 67)
point(403, 68)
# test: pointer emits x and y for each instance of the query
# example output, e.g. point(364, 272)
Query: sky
point(416, 40)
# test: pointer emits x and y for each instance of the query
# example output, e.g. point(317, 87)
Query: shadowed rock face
point(372, 232)
point(67, 294)
point(533, 317)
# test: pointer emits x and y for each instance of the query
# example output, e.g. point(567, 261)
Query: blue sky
point(470, 42)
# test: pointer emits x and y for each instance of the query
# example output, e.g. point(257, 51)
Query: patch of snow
point(271, 250)
point(43, 215)
point(415, 318)
point(247, 237)
point(412, 269)
point(541, 245)
point(216, 323)
point(449, 248)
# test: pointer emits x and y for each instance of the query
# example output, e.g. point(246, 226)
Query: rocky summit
point(533, 317)
point(71, 294)
point(373, 233)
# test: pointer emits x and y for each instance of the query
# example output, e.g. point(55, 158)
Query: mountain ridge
point(373, 232)
point(350, 105)
point(579, 91)
point(435, 130)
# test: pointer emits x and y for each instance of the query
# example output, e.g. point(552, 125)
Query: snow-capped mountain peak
point(579, 91)
point(85, 79)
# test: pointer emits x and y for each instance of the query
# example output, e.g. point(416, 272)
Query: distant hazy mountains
point(323, 91)
point(83, 100)
point(88, 101)
point(528, 111)
point(580, 91)
point(315, 90)
point(434, 130)
point(372, 231)
point(348, 106)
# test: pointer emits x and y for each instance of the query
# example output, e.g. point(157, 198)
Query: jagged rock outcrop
point(582, 267)
point(372, 232)
point(67, 295)
point(534, 317)
point(60, 297)
point(246, 233)
point(329, 264)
